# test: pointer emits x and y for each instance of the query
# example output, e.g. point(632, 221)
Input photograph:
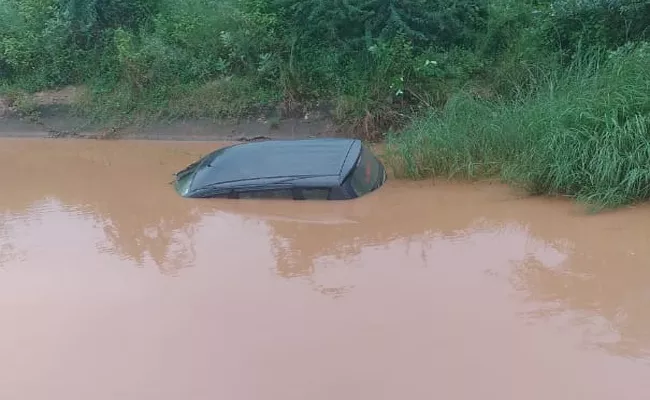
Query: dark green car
point(326, 169)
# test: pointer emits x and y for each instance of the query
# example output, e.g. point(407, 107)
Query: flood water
point(112, 287)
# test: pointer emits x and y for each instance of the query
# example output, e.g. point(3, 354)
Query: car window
point(367, 173)
point(315, 194)
point(267, 194)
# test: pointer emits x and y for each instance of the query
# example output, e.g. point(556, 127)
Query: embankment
point(51, 114)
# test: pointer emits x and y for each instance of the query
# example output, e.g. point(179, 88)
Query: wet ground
point(52, 115)
point(61, 125)
point(113, 287)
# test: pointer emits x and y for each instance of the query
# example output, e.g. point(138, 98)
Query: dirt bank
point(51, 115)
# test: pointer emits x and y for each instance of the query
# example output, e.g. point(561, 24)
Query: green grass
point(218, 99)
point(584, 134)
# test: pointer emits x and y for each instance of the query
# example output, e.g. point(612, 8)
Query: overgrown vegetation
point(372, 62)
point(551, 95)
point(585, 132)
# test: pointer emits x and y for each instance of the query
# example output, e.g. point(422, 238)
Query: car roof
point(326, 159)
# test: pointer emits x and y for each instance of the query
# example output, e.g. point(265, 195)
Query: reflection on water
point(120, 190)
point(470, 273)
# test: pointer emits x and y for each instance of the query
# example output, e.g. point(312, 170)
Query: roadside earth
point(49, 115)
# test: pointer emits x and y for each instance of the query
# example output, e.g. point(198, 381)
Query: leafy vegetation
point(550, 95)
point(373, 62)
point(585, 133)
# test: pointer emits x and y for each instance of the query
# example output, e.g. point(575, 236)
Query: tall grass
point(584, 133)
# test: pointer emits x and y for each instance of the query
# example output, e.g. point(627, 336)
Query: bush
point(606, 24)
point(34, 43)
point(358, 32)
point(374, 60)
point(47, 43)
point(197, 46)
point(584, 134)
point(356, 24)
point(596, 145)
point(188, 42)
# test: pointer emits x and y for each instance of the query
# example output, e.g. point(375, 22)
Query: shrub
point(355, 24)
point(34, 43)
point(596, 23)
point(47, 43)
point(585, 134)
point(596, 146)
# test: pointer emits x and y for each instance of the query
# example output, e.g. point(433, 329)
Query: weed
point(585, 134)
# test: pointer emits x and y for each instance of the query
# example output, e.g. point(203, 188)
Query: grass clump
point(226, 98)
point(584, 134)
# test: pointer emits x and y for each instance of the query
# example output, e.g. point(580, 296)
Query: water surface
point(113, 287)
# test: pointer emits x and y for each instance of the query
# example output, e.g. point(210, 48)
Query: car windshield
point(367, 173)
point(184, 178)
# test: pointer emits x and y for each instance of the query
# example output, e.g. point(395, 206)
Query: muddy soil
point(51, 116)
point(114, 287)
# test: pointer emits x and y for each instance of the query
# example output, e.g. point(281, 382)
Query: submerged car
point(325, 169)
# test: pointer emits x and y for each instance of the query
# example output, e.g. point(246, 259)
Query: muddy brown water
point(113, 287)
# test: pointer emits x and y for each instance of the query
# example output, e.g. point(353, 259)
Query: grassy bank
point(373, 65)
point(585, 133)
